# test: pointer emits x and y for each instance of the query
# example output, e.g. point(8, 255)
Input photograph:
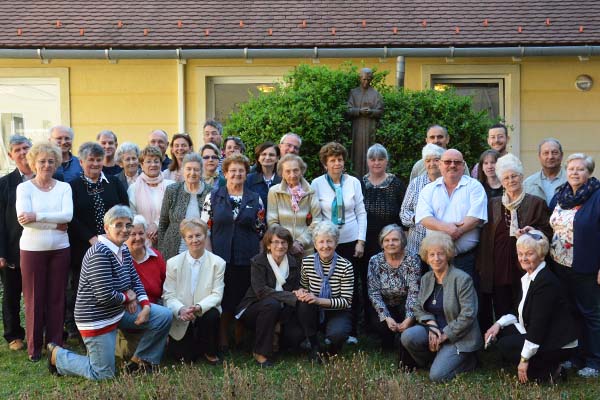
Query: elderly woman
point(541, 332)
point(295, 205)
point(327, 281)
point(341, 199)
point(509, 217)
point(393, 283)
point(269, 305)
point(181, 144)
point(211, 176)
point(128, 157)
point(193, 292)
point(265, 175)
point(486, 173)
point(44, 206)
point(111, 296)
point(182, 200)
point(93, 194)
point(574, 251)
point(236, 219)
point(416, 232)
point(447, 333)
point(147, 193)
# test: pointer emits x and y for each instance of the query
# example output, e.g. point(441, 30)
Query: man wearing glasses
point(457, 205)
point(290, 143)
point(70, 168)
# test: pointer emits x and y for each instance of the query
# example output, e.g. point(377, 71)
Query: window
point(487, 94)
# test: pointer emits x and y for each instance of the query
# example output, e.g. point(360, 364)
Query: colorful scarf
point(144, 195)
point(567, 200)
point(325, 292)
point(338, 214)
point(94, 189)
point(513, 207)
point(296, 194)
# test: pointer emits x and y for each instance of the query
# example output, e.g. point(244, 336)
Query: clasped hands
point(305, 296)
point(132, 305)
point(190, 313)
point(398, 327)
point(436, 338)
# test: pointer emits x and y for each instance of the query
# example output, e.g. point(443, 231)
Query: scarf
point(144, 195)
point(297, 193)
point(567, 200)
point(94, 189)
point(325, 291)
point(513, 207)
point(281, 271)
point(338, 214)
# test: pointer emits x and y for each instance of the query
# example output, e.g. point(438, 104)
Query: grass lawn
point(361, 372)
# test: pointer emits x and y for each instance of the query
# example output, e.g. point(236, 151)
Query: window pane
point(229, 95)
point(486, 96)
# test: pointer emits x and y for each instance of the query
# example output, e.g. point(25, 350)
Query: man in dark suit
point(10, 233)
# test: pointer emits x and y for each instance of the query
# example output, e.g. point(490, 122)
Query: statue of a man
point(365, 107)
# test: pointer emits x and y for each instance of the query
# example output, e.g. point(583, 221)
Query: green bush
point(312, 102)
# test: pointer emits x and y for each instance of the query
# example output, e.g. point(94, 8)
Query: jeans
point(447, 362)
point(100, 362)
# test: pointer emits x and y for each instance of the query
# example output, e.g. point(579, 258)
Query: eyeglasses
point(120, 226)
point(152, 161)
point(293, 146)
point(210, 157)
point(450, 162)
point(279, 243)
point(508, 178)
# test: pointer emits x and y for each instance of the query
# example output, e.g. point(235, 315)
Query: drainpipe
point(180, 94)
point(400, 69)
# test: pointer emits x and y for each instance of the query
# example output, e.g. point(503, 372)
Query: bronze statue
point(365, 107)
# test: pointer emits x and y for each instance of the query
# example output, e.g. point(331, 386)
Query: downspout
point(400, 69)
point(180, 94)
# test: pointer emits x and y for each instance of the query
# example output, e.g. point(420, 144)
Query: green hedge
point(312, 100)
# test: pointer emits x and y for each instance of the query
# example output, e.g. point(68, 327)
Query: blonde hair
point(437, 239)
point(43, 148)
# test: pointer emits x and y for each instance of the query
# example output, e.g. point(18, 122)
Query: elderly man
point(62, 137)
point(160, 139)
point(10, 233)
point(497, 140)
point(365, 107)
point(438, 135)
point(108, 140)
point(290, 143)
point(457, 205)
point(544, 183)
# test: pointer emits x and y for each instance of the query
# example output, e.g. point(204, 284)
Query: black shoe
point(50, 349)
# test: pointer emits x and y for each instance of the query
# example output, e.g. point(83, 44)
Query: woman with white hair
point(325, 296)
point(127, 157)
point(416, 232)
point(509, 216)
point(575, 255)
point(540, 332)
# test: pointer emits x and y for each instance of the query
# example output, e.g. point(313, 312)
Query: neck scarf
point(567, 200)
point(144, 196)
point(338, 214)
point(325, 291)
point(281, 271)
point(94, 189)
point(296, 194)
point(513, 207)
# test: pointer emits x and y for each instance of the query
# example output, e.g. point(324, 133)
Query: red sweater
point(152, 273)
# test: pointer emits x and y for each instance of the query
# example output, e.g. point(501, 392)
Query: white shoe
point(351, 340)
point(567, 365)
point(327, 341)
point(588, 372)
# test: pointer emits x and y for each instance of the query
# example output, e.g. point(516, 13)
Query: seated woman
point(327, 282)
point(542, 333)
point(111, 296)
point(393, 285)
point(193, 292)
point(269, 304)
point(448, 333)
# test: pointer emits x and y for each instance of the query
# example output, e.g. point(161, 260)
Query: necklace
point(49, 186)
point(436, 294)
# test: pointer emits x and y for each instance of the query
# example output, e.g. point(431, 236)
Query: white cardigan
point(177, 293)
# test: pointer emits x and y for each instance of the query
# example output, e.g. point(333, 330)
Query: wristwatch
point(524, 360)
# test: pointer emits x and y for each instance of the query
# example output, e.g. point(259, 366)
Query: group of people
point(138, 254)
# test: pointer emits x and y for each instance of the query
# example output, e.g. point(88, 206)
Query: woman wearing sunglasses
point(211, 158)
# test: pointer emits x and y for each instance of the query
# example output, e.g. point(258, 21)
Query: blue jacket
point(236, 241)
point(586, 235)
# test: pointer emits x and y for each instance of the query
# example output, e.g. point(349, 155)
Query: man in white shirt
point(544, 183)
point(457, 205)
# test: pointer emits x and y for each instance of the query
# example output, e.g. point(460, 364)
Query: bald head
point(452, 166)
point(160, 139)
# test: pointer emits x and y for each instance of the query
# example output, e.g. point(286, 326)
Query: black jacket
point(10, 229)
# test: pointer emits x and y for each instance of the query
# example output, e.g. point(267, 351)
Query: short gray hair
point(15, 140)
point(288, 158)
point(62, 128)
point(549, 140)
point(90, 149)
point(392, 228)
point(116, 212)
point(588, 161)
point(124, 148)
point(140, 220)
point(326, 228)
point(107, 132)
point(192, 157)
point(377, 151)
point(541, 246)
point(508, 162)
point(290, 134)
point(432, 150)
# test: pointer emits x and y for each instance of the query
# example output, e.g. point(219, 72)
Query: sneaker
point(16, 345)
point(352, 340)
point(588, 372)
point(567, 365)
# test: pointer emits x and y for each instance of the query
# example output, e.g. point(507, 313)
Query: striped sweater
point(102, 286)
point(341, 282)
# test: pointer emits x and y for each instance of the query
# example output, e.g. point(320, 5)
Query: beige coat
point(177, 293)
point(280, 213)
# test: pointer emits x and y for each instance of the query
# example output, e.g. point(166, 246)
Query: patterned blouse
point(393, 286)
point(561, 248)
point(416, 232)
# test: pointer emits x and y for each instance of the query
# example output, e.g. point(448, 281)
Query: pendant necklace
point(435, 295)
